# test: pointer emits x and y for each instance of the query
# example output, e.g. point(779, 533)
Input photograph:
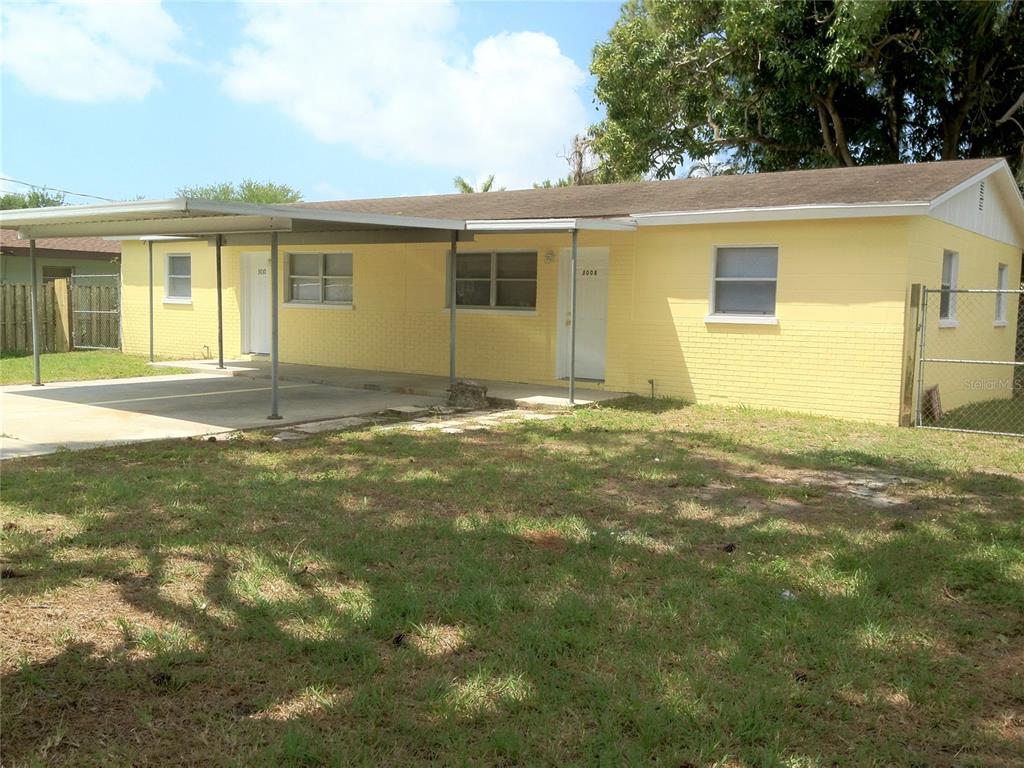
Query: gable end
point(989, 206)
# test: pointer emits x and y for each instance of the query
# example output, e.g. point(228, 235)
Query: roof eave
point(781, 213)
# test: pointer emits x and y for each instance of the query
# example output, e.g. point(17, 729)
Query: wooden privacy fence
point(82, 312)
point(53, 301)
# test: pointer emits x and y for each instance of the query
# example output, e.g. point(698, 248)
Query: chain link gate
point(970, 375)
point(96, 311)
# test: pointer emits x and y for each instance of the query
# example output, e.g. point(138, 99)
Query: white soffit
point(550, 225)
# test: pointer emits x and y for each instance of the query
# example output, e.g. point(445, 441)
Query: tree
point(464, 187)
point(36, 197)
point(549, 184)
point(583, 166)
point(248, 191)
point(808, 83)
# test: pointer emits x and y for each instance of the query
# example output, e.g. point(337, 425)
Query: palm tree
point(708, 166)
point(464, 187)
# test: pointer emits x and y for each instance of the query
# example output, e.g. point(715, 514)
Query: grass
point(1000, 415)
point(648, 583)
point(78, 366)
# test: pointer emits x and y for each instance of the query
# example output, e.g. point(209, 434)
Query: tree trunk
point(842, 148)
point(893, 104)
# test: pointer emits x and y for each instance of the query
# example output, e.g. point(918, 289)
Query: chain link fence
point(970, 374)
point(96, 311)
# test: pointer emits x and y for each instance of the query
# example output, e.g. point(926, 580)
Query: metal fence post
point(921, 328)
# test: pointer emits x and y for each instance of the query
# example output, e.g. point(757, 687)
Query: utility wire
point(57, 189)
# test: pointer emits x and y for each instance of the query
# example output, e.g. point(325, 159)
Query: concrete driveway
point(86, 414)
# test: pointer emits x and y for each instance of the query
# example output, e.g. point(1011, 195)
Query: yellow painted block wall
point(975, 336)
point(183, 331)
point(399, 322)
point(836, 348)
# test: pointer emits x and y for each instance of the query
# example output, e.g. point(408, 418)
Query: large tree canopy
point(805, 83)
point(248, 191)
point(35, 197)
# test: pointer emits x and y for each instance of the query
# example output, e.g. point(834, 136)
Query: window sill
point(742, 319)
point(949, 323)
point(492, 311)
point(177, 300)
point(1000, 324)
point(302, 305)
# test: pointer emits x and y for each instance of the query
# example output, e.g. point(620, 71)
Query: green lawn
point(1002, 415)
point(78, 366)
point(619, 586)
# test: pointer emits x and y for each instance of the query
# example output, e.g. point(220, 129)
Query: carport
point(229, 223)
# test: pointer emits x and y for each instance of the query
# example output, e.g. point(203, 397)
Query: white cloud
point(88, 51)
point(386, 79)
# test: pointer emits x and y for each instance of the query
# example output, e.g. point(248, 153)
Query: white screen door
point(591, 312)
point(256, 303)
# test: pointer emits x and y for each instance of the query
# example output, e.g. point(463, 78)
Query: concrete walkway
point(38, 420)
point(504, 393)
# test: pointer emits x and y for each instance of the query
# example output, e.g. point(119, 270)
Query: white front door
point(591, 312)
point(256, 303)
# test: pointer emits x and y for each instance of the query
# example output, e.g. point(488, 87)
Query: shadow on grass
point(556, 592)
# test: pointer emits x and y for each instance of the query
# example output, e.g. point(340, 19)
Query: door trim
point(562, 341)
point(245, 265)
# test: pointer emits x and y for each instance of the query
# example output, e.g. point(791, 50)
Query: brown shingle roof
point(921, 182)
point(9, 241)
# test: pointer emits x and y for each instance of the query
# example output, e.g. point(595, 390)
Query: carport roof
point(94, 246)
point(203, 218)
point(190, 217)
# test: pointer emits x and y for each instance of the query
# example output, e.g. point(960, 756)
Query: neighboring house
point(57, 257)
point(786, 290)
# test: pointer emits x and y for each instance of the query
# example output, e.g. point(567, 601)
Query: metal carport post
point(35, 314)
point(273, 327)
point(451, 311)
point(149, 243)
point(220, 309)
point(572, 328)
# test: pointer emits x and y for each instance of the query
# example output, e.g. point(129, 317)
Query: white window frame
point(948, 319)
point(742, 318)
point(170, 298)
point(494, 280)
point(322, 277)
point(1002, 284)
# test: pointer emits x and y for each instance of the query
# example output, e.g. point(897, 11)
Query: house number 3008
point(261, 271)
point(588, 272)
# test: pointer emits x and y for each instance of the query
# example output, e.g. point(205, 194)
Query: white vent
point(981, 196)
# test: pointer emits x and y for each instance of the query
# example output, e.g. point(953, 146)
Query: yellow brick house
point(785, 290)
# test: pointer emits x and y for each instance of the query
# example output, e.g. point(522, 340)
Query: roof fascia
point(781, 213)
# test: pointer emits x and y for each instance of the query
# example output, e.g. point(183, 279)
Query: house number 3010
point(588, 272)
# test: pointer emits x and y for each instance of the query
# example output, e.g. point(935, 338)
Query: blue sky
point(337, 99)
